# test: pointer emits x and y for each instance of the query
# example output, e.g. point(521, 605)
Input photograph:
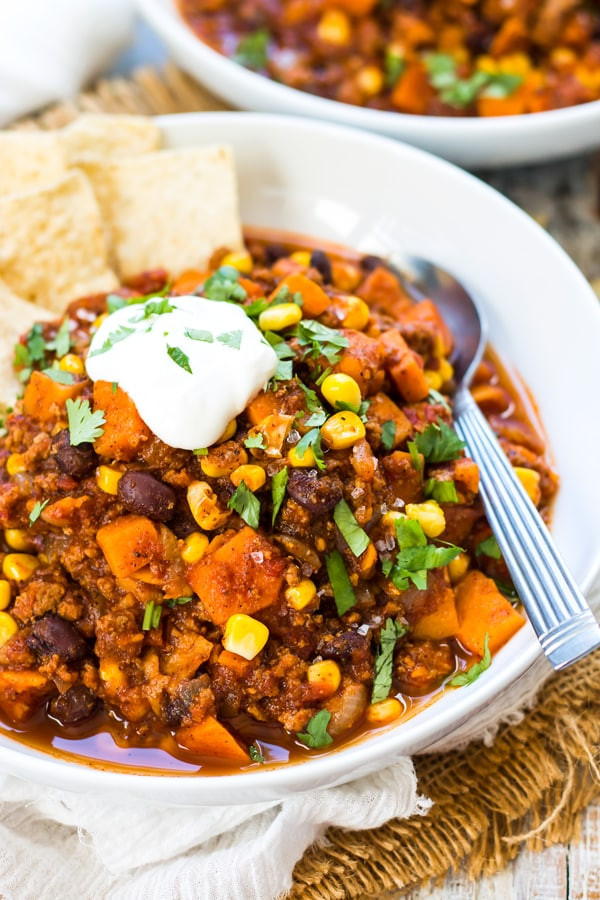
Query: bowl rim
point(164, 13)
point(273, 782)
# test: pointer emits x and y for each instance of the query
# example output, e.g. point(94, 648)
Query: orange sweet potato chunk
point(404, 367)
point(124, 430)
point(129, 543)
point(243, 575)
point(427, 312)
point(45, 399)
point(314, 299)
point(383, 410)
point(482, 610)
point(22, 692)
point(210, 738)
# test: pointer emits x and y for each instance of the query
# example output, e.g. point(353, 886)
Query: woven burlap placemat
point(528, 788)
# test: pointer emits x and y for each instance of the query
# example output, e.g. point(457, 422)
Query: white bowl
point(377, 195)
point(470, 142)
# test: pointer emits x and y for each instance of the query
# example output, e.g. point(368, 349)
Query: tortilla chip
point(52, 245)
point(103, 137)
point(171, 209)
point(29, 159)
point(16, 317)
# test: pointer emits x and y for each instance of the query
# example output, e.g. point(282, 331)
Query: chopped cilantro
point(255, 754)
point(361, 410)
point(506, 588)
point(223, 285)
point(61, 343)
point(436, 397)
point(246, 505)
point(114, 387)
point(255, 440)
point(36, 345)
point(460, 92)
point(343, 592)
point(284, 295)
point(201, 451)
point(59, 376)
point(37, 511)
point(178, 601)
point(384, 661)
point(122, 332)
point(114, 302)
point(278, 485)
point(489, 547)
point(439, 443)
point(284, 354)
point(415, 457)
point(179, 357)
point(323, 376)
point(319, 416)
point(442, 491)
point(416, 556)
point(231, 339)
point(84, 425)
point(197, 334)
point(316, 734)
point(252, 50)
point(311, 439)
point(319, 340)
point(475, 671)
point(357, 539)
point(157, 307)
point(388, 434)
point(152, 615)
point(394, 67)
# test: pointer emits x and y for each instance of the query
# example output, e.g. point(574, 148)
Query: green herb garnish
point(122, 332)
point(85, 426)
point(462, 92)
point(353, 534)
point(61, 343)
point(284, 353)
point(178, 601)
point(223, 285)
point(179, 357)
point(439, 443)
point(278, 485)
point(415, 457)
point(255, 754)
point(59, 376)
point(390, 633)
point(316, 734)
point(252, 50)
point(343, 592)
point(312, 440)
point(394, 65)
point(320, 340)
point(442, 491)
point(436, 397)
point(255, 440)
point(489, 547)
point(197, 334)
point(201, 451)
point(152, 614)
point(416, 556)
point(37, 511)
point(475, 671)
point(319, 416)
point(231, 339)
point(246, 505)
point(388, 434)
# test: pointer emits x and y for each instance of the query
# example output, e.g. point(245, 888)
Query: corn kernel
point(459, 567)
point(99, 320)
point(204, 506)
point(19, 566)
point(15, 464)
point(384, 711)
point(325, 675)
point(515, 64)
point(341, 388)
point(429, 515)
point(346, 276)
point(245, 636)
point(108, 479)
point(219, 464)
point(530, 479)
point(334, 28)
point(8, 627)
point(302, 257)
point(446, 370)
point(357, 313)
point(4, 594)
point(194, 547)
point(486, 64)
point(112, 674)
point(229, 432)
point(240, 261)
point(72, 363)
point(343, 430)
point(276, 318)
point(370, 80)
point(299, 596)
point(563, 58)
point(17, 539)
point(306, 461)
point(253, 477)
point(389, 519)
point(434, 379)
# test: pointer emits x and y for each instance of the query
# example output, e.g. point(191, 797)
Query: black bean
point(273, 252)
point(368, 263)
point(77, 461)
point(317, 495)
point(349, 646)
point(320, 261)
point(74, 706)
point(142, 493)
point(52, 635)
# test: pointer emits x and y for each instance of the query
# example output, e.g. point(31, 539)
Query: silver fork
point(558, 611)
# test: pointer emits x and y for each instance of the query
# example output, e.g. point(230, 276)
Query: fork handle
point(558, 611)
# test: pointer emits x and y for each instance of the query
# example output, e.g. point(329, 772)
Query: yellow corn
point(19, 566)
point(302, 257)
point(370, 80)
point(4, 594)
point(459, 567)
point(368, 561)
point(487, 64)
point(389, 519)
point(15, 464)
point(306, 461)
point(342, 430)
point(240, 261)
point(72, 363)
point(194, 547)
point(303, 593)
point(530, 479)
point(515, 64)
point(325, 675)
point(429, 515)
point(228, 433)
point(446, 370)
point(346, 276)
point(8, 627)
point(99, 320)
point(334, 28)
point(563, 58)
point(341, 388)
point(205, 507)
point(434, 379)
point(384, 711)
point(276, 318)
point(357, 313)
point(17, 539)
point(220, 465)
point(245, 636)
point(108, 479)
point(253, 477)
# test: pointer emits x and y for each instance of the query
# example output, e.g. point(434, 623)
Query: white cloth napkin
point(49, 49)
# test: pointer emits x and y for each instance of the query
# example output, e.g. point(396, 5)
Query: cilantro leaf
point(278, 485)
point(223, 285)
point(319, 416)
point(252, 50)
point(409, 533)
point(157, 307)
point(231, 339)
point(461, 92)
point(59, 376)
point(436, 397)
point(84, 425)
point(415, 457)
point(122, 332)
point(180, 358)
point(37, 511)
point(255, 440)
point(489, 547)
point(442, 491)
point(319, 340)
point(416, 556)
point(246, 505)
point(475, 671)
point(255, 754)
point(439, 443)
point(388, 434)
point(178, 601)
point(197, 334)
point(343, 592)
point(353, 534)
point(316, 734)
point(502, 84)
point(61, 343)
point(311, 439)
point(201, 451)
point(384, 661)
point(394, 65)
point(114, 302)
point(284, 353)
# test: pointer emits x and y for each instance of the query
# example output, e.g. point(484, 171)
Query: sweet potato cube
point(432, 613)
point(314, 299)
point(210, 738)
point(383, 410)
point(243, 575)
point(124, 430)
point(45, 398)
point(482, 610)
point(129, 543)
point(382, 289)
point(404, 367)
point(427, 312)
point(22, 692)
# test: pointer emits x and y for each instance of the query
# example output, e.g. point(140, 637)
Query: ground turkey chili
point(321, 570)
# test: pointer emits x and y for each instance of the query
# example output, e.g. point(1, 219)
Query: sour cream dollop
point(189, 368)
